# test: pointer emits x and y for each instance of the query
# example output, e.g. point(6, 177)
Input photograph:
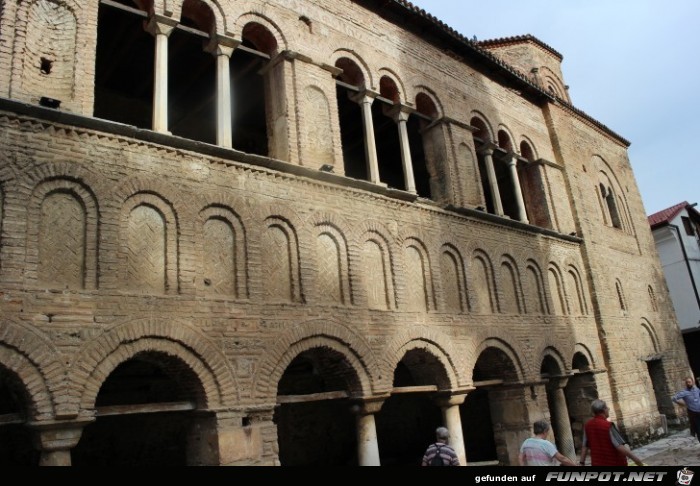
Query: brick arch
point(62, 170)
point(584, 350)
point(553, 77)
point(34, 360)
point(258, 18)
point(184, 206)
point(329, 224)
point(510, 262)
point(421, 89)
point(84, 195)
point(484, 119)
point(536, 269)
point(501, 344)
point(428, 271)
point(171, 257)
point(558, 293)
point(490, 276)
point(374, 231)
point(8, 169)
point(605, 173)
point(524, 139)
point(99, 357)
point(463, 283)
point(396, 79)
point(649, 337)
point(173, 9)
point(433, 342)
point(289, 223)
point(580, 291)
point(359, 61)
point(553, 352)
point(309, 335)
point(20, 50)
point(511, 139)
point(240, 261)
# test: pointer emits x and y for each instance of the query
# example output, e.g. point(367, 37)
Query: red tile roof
point(666, 215)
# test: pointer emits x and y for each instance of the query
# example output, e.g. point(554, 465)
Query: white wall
point(678, 276)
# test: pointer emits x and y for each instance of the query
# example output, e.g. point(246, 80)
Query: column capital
point(57, 435)
point(488, 148)
point(159, 25)
point(400, 112)
point(511, 158)
point(452, 398)
point(222, 46)
point(367, 406)
point(555, 382)
point(366, 96)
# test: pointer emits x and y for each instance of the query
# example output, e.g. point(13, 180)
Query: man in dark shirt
point(690, 399)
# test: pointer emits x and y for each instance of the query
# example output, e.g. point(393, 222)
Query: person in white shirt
point(538, 451)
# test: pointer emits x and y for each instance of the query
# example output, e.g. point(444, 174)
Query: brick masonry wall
point(239, 256)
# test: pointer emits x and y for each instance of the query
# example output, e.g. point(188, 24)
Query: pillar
point(55, 439)
point(223, 50)
point(367, 444)
point(365, 100)
point(487, 152)
point(560, 417)
point(160, 28)
point(453, 421)
point(517, 190)
point(226, 438)
point(400, 114)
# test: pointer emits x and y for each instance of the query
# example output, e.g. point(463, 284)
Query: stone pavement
point(678, 449)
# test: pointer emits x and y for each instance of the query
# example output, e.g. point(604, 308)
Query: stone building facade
point(292, 232)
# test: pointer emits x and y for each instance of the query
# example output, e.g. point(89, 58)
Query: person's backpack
point(437, 460)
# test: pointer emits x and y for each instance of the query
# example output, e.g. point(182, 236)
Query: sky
point(632, 65)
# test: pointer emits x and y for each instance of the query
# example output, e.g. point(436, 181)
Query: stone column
point(160, 28)
point(453, 421)
point(487, 152)
point(560, 417)
point(365, 100)
point(223, 50)
point(225, 438)
point(367, 445)
point(400, 114)
point(517, 190)
point(55, 439)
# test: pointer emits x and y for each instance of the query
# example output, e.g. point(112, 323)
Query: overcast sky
point(633, 65)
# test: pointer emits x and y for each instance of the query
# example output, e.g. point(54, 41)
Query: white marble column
point(223, 51)
point(453, 421)
point(400, 114)
point(517, 190)
point(487, 152)
point(160, 28)
point(365, 100)
point(367, 444)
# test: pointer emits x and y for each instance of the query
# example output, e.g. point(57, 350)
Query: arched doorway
point(580, 391)
point(314, 416)
point(408, 419)
point(494, 416)
point(144, 414)
point(16, 447)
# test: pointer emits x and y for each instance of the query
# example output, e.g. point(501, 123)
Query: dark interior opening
point(386, 135)
point(124, 63)
point(352, 135)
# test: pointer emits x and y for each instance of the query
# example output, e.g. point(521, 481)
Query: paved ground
point(678, 449)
